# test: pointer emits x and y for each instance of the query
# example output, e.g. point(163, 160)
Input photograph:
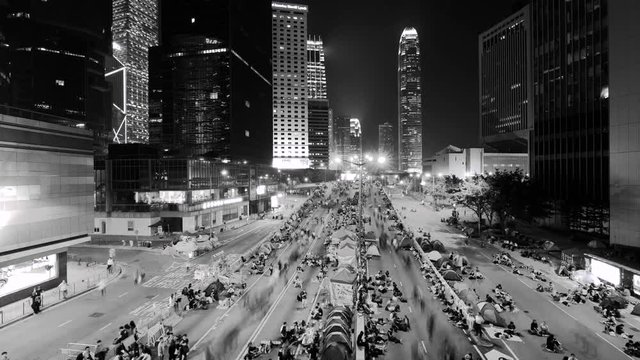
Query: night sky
point(361, 44)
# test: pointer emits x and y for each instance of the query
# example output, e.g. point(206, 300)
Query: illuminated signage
point(636, 284)
point(261, 189)
point(216, 203)
point(605, 272)
point(291, 163)
point(276, 5)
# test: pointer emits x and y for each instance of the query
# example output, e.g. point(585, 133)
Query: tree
point(448, 188)
point(475, 197)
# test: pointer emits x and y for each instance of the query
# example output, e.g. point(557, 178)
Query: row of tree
point(502, 196)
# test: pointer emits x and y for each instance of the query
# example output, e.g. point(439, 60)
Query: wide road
point(576, 326)
point(91, 316)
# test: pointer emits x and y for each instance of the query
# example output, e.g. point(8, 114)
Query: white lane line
point(65, 323)
point(479, 352)
point(123, 294)
point(410, 309)
point(525, 284)
point(563, 310)
point(424, 347)
point(155, 297)
point(511, 351)
point(608, 342)
point(104, 327)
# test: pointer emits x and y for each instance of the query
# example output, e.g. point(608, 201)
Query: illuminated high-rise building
point(355, 141)
point(135, 30)
point(409, 103)
point(386, 146)
point(290, 112)
point(318, 103)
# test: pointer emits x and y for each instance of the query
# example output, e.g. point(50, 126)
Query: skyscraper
point(52, 60)
point(290, 112)
point(318, 104)
point(210, 89)
point(386, 146)
point(570, 141)
point(409, 102)
point(340, 128)
point(506, 109)
point(355, 141)
point(135, 30)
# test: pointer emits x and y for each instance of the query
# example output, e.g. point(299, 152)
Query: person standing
point(101, 350)
point(63, 289)
point(162, 347)
point(102, 286)
point(110, 264)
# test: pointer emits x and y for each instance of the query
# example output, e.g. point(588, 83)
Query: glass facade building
point(290, 105)
point(318, 104)
point(386, 146)
point(506, 110)
point(135, 29)
point(316, 72)
point(409, 102)
point(570, 142)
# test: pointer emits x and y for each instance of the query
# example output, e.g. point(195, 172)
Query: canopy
point(616, 301)
point(438, 246)
point(636, 310)
point(595, 244)
point(345, 251)
point(451, 275)
point(373, 251)
point(347, 244)
point(426, 245)
point(491, 315)
point(343, 233)
point(434, 255)
point(586, 277)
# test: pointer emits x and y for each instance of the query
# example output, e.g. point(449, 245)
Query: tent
point(451, 275)
point(636, 310)
point(615, 300)
point(344, 276)
point(347, 244)
point(406, 242)
point(434, 255)
point(338, 337)
point(595, 244)
point(438, 246)
point(335, 351)
point(550, 246)
point(345, 252)
point(491, 315)
point(460, 261)
point(342, 234)
point(443, 261)
point(426, 245)
point(373, 251)
point(585, 277)
point(467, 295)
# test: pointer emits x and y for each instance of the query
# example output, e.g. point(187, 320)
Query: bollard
point(1, 317)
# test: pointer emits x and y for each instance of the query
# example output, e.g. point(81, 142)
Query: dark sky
point(361, 45)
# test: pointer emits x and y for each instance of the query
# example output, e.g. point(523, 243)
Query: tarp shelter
point(434, 255)
point(438, 246)
point(426, 245)
point(347, 262)
point(595, 244)
point(266, 248)
point(636, 310)
point(585, 277)
point(373, 251)
point(344, 276)
point(342, 234)
point(491, 315)
point(451, 275)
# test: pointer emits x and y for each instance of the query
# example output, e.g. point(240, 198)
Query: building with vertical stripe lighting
point(318, 104)
point(290, 104)
point(506, 110)
point(409, 102)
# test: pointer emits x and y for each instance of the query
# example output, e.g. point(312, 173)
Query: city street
point(577, 327)
point(91, 316)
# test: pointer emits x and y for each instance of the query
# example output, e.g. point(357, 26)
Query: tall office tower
point(506, 109)
point(316, 73)
point(355, 141)
point(209, 85)
point(624, 134)
point(289, 47)
point(135, 30)
point(318, 104)
point(52, 60)
point(341, 128)
point(386, 146)
point(409, 102)
point(570, 141)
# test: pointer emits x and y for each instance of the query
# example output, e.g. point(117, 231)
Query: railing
point(22, 308)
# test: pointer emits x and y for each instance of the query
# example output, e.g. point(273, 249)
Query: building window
point(130, 225)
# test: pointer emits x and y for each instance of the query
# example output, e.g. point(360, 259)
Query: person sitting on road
point(511, 329)
point(534, 327)
point(620, 331)
point(553, 344)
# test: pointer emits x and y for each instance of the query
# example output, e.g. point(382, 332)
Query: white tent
point(373, 251)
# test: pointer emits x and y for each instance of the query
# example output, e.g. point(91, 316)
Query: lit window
point(60, 82)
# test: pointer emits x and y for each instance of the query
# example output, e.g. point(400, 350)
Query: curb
point(72, 297)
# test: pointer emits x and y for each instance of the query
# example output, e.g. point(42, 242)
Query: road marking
point(410, 309)
point(65, 323)
point(123, 294)
point(608, 342)
point(155, 297)
point(563, 310)
point(400, 283)
point(525, 284)
point(104, 327)
point(424, 347)
point(479, 352)
point(511, 351)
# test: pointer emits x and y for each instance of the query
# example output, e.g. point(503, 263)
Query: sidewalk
point(81, 278)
